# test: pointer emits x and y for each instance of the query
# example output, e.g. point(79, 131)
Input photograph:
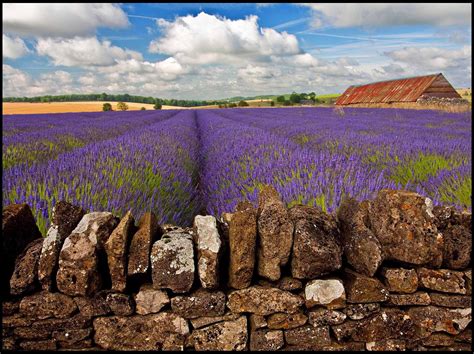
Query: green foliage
point(295, 98)
point(243, 104)
point(232, 105)
point(122, 106)
point(157, 105)
point(287, 103)
point(143, 109)
point(272, 103)
point(280, 99)
point(106, 107)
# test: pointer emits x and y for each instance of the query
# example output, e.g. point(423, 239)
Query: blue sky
point(215, 50)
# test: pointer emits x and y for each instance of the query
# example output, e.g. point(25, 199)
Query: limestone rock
point(64, 219)
point(149, 300)
point(263, 301)
point(283, 320)
point(457, 247)
point(227, 335)
point(120, 304)
point(275, 233)
point(25, 274)
point(329, 293)
point(200, 303)
point(141, 244)
point(362, 289)
point(386, 345)
point(209, 249)
point(468, 279)
point(266, 340)
point(446, 300)
point(444, 280)
point(257, 321)
point(117, 251)
point(147, 332)
point(438, 340)
point(404, 224)
point(316, 248)
point(400, 280)
point(93, 306)
point(45, 305)
point(429, 319)
point(43, 345)
point(361, 247)
point(10, 307)
point(18, 230)
point(419, 298)
point(172, 262)
point(242, 227)
point(290, 284)
point(206, 320)
point(360, 311)
point(308, 337)
point(323, 317)
point(79, 272)
point(71, 336)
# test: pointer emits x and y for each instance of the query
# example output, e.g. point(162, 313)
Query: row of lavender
point(209, 160)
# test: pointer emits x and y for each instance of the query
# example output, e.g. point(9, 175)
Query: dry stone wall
point(392, 273)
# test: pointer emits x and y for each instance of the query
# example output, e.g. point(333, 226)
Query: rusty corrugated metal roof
point(401, 90)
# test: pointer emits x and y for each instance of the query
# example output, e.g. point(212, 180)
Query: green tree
point(106, 107)
point(142, 109)
point(295, 98)
point(122, 106)
point(157, 105)
point(242, 103)
point(281, 99)
point(272, 103)
point(287, 103)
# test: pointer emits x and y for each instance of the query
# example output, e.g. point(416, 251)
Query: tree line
point(111, 97)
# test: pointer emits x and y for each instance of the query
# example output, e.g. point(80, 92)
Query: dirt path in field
point(64, 107)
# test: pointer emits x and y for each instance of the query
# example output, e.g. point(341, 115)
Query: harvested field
point(68, 107)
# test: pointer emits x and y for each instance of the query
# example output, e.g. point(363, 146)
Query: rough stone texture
point(141, 244)
point(172, 262)
point(419, 298)
point(43, 345)
point(386, 345)
point(360, 311)
point(290, 284)
point(227, 335)
point(10, 307)
point(266, 340)
point(286, 320)
point(468, 279)
point(206, 320)
point(147, 332)
point(429, 319)
point(444, 280)
point(362, 289)
point(329, 293)
point(275, 234)
point(209, 249)
point(446, 300)
point(457, 247)
point(308, 337)
point(438, 340)
point(45, 305)
point(257, 321)
point(79, 272)
point(400, 280)
point(404, 224)
point(117, 251)
point(18, 230)
point(120, 304)
point(200, 303)
point(361, 247)
point(25, 274)
point(71, 338)
point(149, 300)
point(242, 227)
point(64, 219)
point(323, 317)
point(93, 306)
point(316, 248)
point(263, 301)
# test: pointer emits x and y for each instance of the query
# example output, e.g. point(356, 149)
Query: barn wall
point(441, 88)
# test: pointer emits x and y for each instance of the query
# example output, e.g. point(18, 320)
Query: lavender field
point(179, 163)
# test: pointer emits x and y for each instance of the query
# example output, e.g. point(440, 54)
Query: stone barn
point(420, 89)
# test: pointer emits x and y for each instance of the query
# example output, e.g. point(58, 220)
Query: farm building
point(412, 89)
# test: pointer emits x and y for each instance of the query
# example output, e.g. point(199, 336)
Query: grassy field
point(463, 91)
point(65, 107)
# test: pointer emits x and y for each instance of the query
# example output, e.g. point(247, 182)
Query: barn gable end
point(441, 88)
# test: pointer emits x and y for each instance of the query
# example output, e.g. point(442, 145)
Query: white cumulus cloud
point(61, 20)
point(79, 51)
point(13, 48)
point(205, 39)
point(374, 15)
